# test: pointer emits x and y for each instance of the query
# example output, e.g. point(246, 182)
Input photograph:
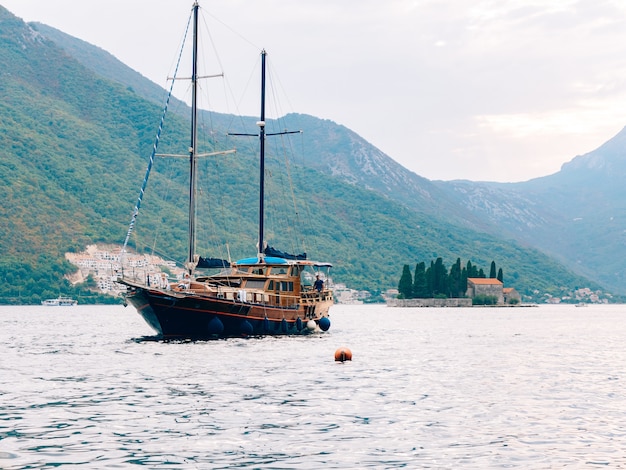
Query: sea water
point(87, 387)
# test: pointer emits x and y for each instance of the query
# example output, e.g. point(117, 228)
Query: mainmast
point(262, 134)
point(261, 125)
point(193, 143)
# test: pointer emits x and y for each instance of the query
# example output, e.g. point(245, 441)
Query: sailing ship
point(270, 293)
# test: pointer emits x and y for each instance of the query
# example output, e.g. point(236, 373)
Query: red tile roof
point(484, 281)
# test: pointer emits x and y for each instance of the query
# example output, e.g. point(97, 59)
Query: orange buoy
point(343, 354)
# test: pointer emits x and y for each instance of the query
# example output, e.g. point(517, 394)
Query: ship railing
point(311, 296)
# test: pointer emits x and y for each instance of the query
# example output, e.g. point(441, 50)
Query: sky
point(484, 90)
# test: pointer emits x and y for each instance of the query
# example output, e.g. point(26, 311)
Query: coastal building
point(510, 295)
point(485, 286)
point(103, 264)
point(347, 296)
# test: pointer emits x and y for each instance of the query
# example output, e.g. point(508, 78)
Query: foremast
point(193, 143)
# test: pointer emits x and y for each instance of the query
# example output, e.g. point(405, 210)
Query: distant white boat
point(60, 302)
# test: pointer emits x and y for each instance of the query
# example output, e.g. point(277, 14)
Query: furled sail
point(269, 251)
point(212, 263)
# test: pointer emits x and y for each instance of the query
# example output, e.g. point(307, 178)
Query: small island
point(461, 286)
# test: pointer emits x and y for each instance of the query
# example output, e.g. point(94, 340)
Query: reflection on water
point(432, 388)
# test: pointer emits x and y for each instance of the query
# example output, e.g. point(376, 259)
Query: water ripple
point(449, 388)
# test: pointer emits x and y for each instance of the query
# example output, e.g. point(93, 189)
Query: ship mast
point(261, 125)
point(193, 143)
point(262, 135)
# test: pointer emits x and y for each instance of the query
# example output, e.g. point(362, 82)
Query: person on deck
point(185, 283)
point(319, 284)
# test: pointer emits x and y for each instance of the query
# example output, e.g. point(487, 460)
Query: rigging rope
point(298, 243)
point(156, 144)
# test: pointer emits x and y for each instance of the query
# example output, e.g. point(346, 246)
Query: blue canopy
point(267, 260)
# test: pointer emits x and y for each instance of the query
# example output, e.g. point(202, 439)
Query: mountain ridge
point(577, 215)
point(376, 214)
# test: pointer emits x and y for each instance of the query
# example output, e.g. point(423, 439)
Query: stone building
point(509, 294)
point(485, 286)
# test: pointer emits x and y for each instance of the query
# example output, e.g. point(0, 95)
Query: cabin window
point(255, 283)
point(279, 270)
point(286, 286)
point(257, 270)
point(270, 286)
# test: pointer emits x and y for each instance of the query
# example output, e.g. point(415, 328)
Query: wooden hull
point(195, 316)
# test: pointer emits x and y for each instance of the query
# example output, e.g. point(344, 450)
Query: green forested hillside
point(63, 146)
point(73, 151)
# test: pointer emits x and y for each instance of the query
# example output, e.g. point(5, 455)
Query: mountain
point(577, 215)
point(76, 132)
point(105, 65)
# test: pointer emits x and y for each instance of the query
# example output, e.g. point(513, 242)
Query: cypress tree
point(430, 280)
point(454, 283)
point(472, 271)
point(492, 272)
point(405, 286)
point(440, 278)
point(419, 281)
point(463, 282)
point(500, 276)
